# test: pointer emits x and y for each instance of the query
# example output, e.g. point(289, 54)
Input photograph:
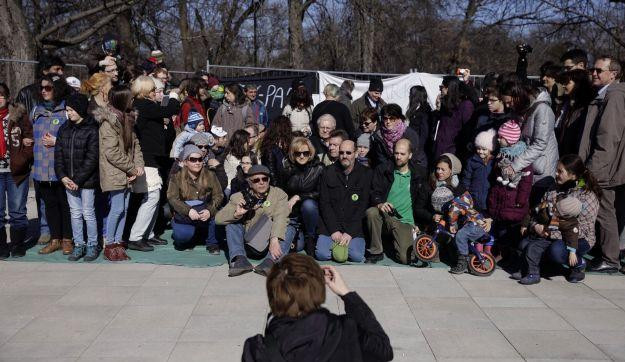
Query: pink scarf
point(393, 135)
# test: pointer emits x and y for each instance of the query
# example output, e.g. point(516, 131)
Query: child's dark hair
point(573, 164)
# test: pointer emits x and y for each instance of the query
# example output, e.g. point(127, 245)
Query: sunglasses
point(366, 124)
point(302, 154)
point(195, 159)
point(203, 147)
point(47, 88)
point(264, 179)
point(598, 70)
point(387, 118)
point(348, 153)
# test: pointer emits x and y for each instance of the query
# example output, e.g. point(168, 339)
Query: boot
point(53, 245)
point(67, 245)
point(461, 266)
point(5, 251)
point(43, 239)
point(18, 248)
point(310, 243)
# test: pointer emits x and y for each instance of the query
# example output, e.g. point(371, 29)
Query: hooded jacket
point(21, 156)
point(538, 133)
point(76, 153)
point(323, 336)
point(476, 177)
point(607, 151)
point(115, 162)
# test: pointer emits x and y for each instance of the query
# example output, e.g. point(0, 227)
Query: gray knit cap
point(440, 196)
point(203, 139)
point(569, 207)
point(364, 140)
point(188, 150)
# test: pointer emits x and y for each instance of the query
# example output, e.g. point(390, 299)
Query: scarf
point(3, 145)
point(393, 135)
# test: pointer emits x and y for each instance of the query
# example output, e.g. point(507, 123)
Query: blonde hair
point(142, 86)
point(299, 142)
point(94, 84)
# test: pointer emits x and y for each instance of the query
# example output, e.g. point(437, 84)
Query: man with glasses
point(574, 59)
point(604, 153)
point(343, 200)
point(252, 219)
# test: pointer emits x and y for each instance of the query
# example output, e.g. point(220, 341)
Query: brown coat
point(212, 194)
point(21, 157)
point(115, 163)
point(233, 117)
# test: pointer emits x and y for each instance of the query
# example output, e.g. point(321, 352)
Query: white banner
point(396, 89)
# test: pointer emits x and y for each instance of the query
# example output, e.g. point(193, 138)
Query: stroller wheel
point(482, 268)
point(425, 248)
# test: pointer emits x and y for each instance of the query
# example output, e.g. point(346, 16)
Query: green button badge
point(267, 203)
point(354, 197)
point(55, 121)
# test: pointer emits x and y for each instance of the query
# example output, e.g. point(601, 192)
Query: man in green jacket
point(267, 215)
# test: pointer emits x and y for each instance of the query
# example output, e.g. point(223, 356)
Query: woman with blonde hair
point(96, 88)
point(300, 329)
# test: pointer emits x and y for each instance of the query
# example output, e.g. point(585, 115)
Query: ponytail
point(591, 183)
point(585, 179)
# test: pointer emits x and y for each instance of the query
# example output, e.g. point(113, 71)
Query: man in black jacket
point(343, 200)
point(394, 213)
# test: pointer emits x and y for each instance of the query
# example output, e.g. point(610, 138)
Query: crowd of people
point(533, 171)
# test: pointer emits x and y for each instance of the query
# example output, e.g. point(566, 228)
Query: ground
point(147, 312)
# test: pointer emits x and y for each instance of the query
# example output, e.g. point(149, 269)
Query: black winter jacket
point(302, 181)
point(154, 138)
point(29, 96)
point(419, 190)
point(323, 336)
point(421, 123)
point(274, 162)
point(339, 111)
point(379, 153)
point(76, 153)
point(343, 200)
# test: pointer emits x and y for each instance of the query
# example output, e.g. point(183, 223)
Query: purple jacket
point(508, 204)
point(449, 128)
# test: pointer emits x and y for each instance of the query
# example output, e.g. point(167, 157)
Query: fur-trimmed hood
point(16, 112)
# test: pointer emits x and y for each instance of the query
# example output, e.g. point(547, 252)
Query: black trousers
point(57, 209)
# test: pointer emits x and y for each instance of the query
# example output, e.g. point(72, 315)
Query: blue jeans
point(310, 216)
point(355, 249)
point(16, 195)
point(116, 219)
point(211, 239)
point(82, 206)
point(183, 234)
point(469, 232)
point(558, 253)
point(236, 243)
point(41, 211)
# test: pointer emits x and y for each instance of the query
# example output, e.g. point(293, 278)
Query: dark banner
point(274, 89)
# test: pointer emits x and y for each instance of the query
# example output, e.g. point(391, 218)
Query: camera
point(524, 49)
point(250, 200)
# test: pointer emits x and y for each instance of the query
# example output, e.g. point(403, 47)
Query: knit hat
point(188, 150)
point(78, 103)
point(203, 139)
point(456, 165)
point(376, 85)
point(486, 139)
point(218, 131)
point(194, 119)
point(364, 140)
point(73, 82)
point(440, 196)
point(569, 207)
point(339, 252)
point(510, 131)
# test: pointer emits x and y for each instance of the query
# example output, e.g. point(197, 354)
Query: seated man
point(258, 218)
point(395, 213)
point(343, 199)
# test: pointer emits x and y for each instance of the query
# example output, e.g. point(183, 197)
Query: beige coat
point(115, 164)
point(276, 207)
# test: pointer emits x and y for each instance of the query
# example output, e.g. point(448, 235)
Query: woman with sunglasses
point(302, 171)
point(194, 194)
point(47, 118)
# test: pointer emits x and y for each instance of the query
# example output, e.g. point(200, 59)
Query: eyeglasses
point(598, 70)
point(246, 163)
point(302, 154)
point(493, 100)
point(202, 147)
point(326, 128)
point(263, 179)
point(348, 153)
point(367, 123)
point(195, 159)
point(47, 88)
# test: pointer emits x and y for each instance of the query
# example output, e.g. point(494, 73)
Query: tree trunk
point(16, 42)
point(185, 34)
point(296, 34)
point(365, 32)
point(459, 56)
point(126, 35)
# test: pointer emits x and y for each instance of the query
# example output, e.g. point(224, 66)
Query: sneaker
point(374, 258)
point(156, 241)
point(92, 253)
point(264, 267)
point(516, 276)
point(575, 276)
point(213, 249)
point(140, 245)
point(462, 266)
point(239, 265)
point(77, 253)
point(530, 279)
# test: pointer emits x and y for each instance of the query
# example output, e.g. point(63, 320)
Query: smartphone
point(165, 101)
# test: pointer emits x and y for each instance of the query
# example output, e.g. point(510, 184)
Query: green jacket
point(275, 206)
point(212, 193)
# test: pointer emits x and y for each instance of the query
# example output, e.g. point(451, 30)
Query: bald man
point(394, 214)
point(343, 199)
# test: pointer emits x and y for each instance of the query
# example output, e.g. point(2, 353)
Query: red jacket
point(188, 104)
point(506, 203)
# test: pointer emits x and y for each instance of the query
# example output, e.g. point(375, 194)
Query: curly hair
point(277, 135)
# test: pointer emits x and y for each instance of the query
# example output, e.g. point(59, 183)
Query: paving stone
point(233, 327)
point(172, 296)
point(206, 351)
point(41, 350)
point(217, 304)
point(128, 350)
point(595, 319)
point(431, 288)
point(11, 324)
point(466, 344)
point(115, 278)
point(97, 296)
point(553, 344)
point(152, 316)
point(527, 318)
point(484, 287)
point(504, 302)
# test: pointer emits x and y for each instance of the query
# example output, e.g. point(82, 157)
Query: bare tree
point(297, 10)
